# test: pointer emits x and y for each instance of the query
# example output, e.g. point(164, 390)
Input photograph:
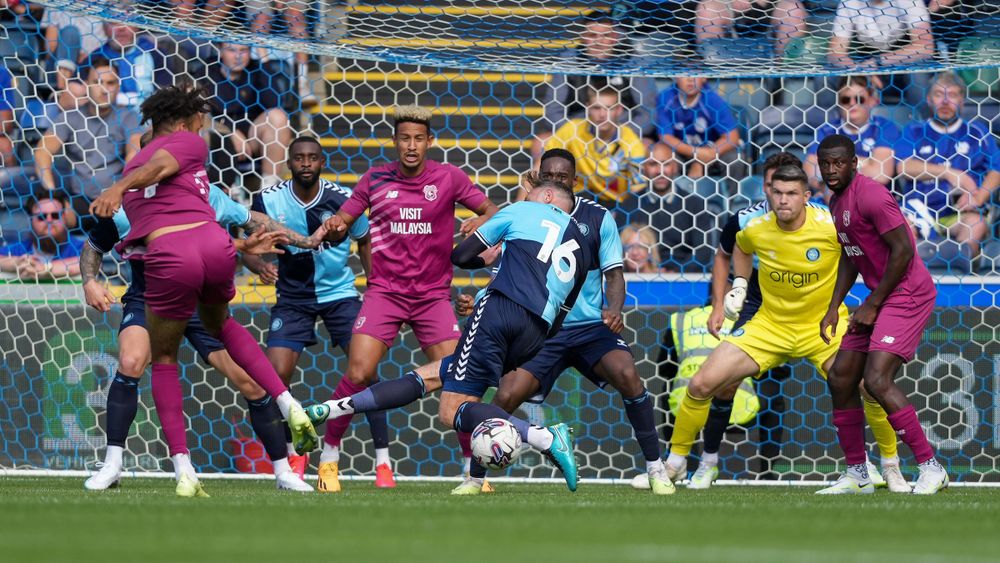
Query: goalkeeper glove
point(733, 303)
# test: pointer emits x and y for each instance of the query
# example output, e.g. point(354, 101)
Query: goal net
point(504, 81)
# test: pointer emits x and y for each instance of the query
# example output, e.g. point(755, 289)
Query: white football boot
point(108, 477)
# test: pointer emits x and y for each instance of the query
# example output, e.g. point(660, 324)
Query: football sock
point(246, 352)
point(878, 421)
point(123, 402)
point(710, 458)
point(379, 427)
point(330, 454)
point(382, 456)
point(113, 456)
point(281, 466)
point(908, 428)
point(386, 395)
point(467, 465)
point(465, 442)
point(859, 471)
point(265, 419)
point(336, 427)
point(182, 466)
point(888, 461)
point(640, 415)
point(691, 417)
point(719, 414)
point(476, 471)
point(654, 466)
point(850, 425)
point(169, 401)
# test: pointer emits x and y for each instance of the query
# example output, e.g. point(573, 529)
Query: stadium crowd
point(669, 158)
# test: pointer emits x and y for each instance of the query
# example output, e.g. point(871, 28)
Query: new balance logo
point(888, 339)
point(392, 194)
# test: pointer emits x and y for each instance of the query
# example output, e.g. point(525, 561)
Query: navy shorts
point(134, 314)
point(580, 347)
point(293, 325)
point(499, 336)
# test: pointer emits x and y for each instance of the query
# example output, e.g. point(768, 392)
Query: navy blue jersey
point(545, 260)
point(595, 222)
point(311, 276)
point(108, 232)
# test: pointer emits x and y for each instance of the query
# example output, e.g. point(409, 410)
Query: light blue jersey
point(595, 220)
point(546, 257)
point(312, 276)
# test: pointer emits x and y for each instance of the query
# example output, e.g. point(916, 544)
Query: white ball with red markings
point(495, 444)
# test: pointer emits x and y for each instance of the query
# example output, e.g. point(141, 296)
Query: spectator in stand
point(641, 253)
point(39, 116)
point(7, 103)
point(49, 252)
point(602, 44)
point(608, 154)
point(70, 37)
point(248, 106)
point(681, 220)
point(781, 20)
point(873, 34)
point(694, 121)
point(134, 56)
point(953, 168)
point(96, 139)
point(874, 136)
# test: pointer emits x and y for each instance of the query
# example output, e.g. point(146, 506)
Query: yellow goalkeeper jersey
point(797, 269)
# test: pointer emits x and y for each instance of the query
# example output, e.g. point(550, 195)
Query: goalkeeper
point(798, 253)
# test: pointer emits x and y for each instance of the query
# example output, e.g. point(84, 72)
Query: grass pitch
point(54, 519)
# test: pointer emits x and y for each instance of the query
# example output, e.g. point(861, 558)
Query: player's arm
point(467, 254)
point(265, 224)
point(485, 210)
point(365, 253)
point(161, 166)
point(262, 267)
point(44, 154)
point(847, 274)
point(614, 292)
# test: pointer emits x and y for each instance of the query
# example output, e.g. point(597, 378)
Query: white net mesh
point(485, 73)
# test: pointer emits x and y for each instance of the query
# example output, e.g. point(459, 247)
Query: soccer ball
point(495, 444)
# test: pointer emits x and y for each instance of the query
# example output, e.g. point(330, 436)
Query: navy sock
point(718, 421)
point(469, 415)
point(379, 426)
point(640, 415)
point(123, 402)
point(392, 394)
point(265, 418)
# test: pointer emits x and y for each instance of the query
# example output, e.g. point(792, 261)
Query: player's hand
point(829, 325)
point(715, 321)
point(319, 235)
point(262, 243)
point(106, 204)
point(336, 229)
point(613, 320)
point(863, 319)
point(733, 303)
point(469, 226)
point(463, 305)
point(491, 254)
point(268, 274)
point(98, 296)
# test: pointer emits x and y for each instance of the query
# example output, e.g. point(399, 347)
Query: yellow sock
point(878, 421)
point(691, 418)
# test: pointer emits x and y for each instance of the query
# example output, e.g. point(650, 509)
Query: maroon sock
point(337, 427)
point(169, 401)
point(246, 352)
point(907, 427)
point(465, 441)
point(850, 425)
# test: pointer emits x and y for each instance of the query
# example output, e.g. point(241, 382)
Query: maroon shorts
point(898, 329)
point(188, 267)
point(383, 313)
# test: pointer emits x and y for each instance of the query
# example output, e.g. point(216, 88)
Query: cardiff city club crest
point(847, 218)
point(430, 192)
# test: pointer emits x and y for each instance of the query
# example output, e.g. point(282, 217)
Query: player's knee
point(876, 384)
point(506, 399)
point(627, 382)
point(360, 377)
point(699, 387)
point(132, 365)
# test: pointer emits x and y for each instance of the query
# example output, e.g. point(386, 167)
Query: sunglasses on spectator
point(850, 100)
point(51, 216)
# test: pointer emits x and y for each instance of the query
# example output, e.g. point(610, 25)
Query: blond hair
point(411, 114)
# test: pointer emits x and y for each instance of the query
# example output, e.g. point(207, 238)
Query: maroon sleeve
point(878, 205)
point(466, 192)
point(360, 198)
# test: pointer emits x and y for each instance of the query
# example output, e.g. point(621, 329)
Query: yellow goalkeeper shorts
point(771, 343)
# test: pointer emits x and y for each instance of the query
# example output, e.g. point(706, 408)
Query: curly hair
point(411, 114)
point(172, 104)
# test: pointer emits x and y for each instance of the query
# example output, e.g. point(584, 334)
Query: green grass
point(54, 519)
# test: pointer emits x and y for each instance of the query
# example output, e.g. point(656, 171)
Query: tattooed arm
point(261, 222)
point(96, 295)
